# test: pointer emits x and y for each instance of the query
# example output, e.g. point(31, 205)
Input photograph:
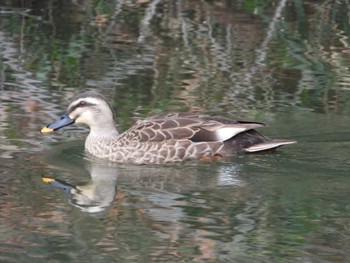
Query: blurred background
point(285, 63)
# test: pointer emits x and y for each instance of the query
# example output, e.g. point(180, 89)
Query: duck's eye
point(82, 104)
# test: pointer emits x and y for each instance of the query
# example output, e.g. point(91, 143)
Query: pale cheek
point(81, 119)
point(84, 118)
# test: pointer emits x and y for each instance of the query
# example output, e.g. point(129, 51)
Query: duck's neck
point(100, 139)
point(103, 133)
point(107, 130)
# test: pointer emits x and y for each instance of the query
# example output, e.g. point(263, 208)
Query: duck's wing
point(188, 126)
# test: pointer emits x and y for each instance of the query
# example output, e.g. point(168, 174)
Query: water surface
point(284, 63)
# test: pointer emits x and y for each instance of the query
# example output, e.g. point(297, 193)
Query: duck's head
point(88, 108)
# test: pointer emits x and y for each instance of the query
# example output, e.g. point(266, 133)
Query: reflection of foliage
point(225, 57)
point(321, 56)
point(193, 55)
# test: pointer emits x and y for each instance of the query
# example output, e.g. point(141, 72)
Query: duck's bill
point(65, 120)
point(58, 184)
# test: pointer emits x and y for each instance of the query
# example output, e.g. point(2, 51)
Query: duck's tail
point(267, 145)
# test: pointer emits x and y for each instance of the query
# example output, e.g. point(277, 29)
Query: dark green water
point(285, 63)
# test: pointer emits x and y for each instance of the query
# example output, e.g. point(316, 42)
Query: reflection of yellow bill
point(46, 130)
point(47, 179)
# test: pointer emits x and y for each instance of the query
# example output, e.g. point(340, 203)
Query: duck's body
point(164, 138)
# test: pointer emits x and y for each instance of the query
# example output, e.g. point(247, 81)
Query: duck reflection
point(184, 206)
point(96, 195)
point(168, 182)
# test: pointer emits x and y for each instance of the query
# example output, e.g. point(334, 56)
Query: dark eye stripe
point(80, 105)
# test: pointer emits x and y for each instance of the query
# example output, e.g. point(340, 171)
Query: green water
point(284, 63)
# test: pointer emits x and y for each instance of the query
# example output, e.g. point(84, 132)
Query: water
point(284, 63)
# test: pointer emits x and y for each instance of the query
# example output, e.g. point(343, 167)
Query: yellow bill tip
point(46, 130)
point(47, 180)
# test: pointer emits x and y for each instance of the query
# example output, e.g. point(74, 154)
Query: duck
point(166, 138)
